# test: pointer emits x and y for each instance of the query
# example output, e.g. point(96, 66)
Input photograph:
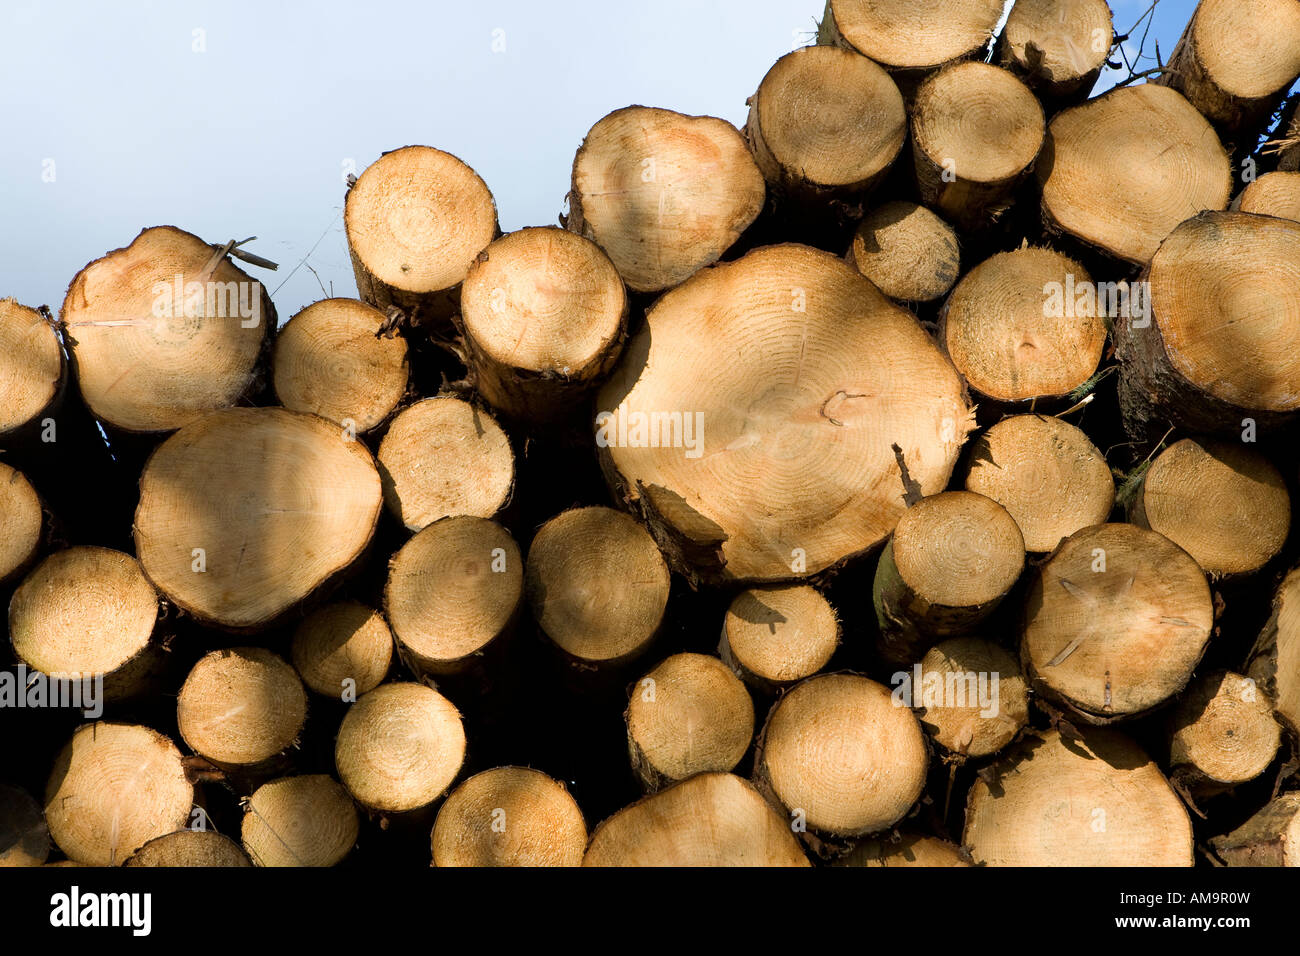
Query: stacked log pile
point(903, 478)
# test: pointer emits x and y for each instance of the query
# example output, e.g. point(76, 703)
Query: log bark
point(821, 738)
point(1221, 502)
point(415, 219)
point(1086, 170)
point(772, 638)
point(688, 715)
point(1098, 801)
point(114, 787)
point(951, 561)
point(544, 318)
point(1218, 271)
point(1274, 661)
point(445, 456)
point(300, 821)
point(399, 748)
point(509, 816)
point(1235, 62)
point(454, 592)
point(712, 819)
point(1270, 838)
point(1057, 47)
point(231, 524)
point(1046, 472)
point(596, 618)
point(1097, 609)
point(1018, 331)
point(782, 361)
point(976, 132)
point(662, 193)
point(334, 359)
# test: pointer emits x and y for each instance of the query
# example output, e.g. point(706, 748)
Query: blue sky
point(232, 119)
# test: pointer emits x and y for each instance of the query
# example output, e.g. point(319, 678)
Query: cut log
point(822, 740)
point(910, 849)
point(453, 590)
point(87, 613)
point(1275, 659)
point(246, 512)
point(803, 374)
point(24, 837)
point(689, 715)
point(334, 359)
point(32, 368)
point(970, 696)
point(772, 638)
point(1223, 341)
point(1220, 501)
point(1057, 47)
point(509, 816)
point(1235, 62)
point(1099, 801)
point(907, 251)
point(1115, 622)
point(1269, 838)
point(115, 787)
point(597, 585)
point(1048, 475)
point(343, 650)
point(951, 561)
point(662, 193)
point(415, 220)
point(1224, 733)
point(911, 35)
point(1018, 331)
point(400, 747)
point(242, 707)
point(712, 819)
point(544, 317)
point(1273, 194)
point(300, 821)
point(190, 848)
point(22, 524)
point(444, 456)
point(160, 336)
point(825, 125)
point(1122, 170)
point(976, 131)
